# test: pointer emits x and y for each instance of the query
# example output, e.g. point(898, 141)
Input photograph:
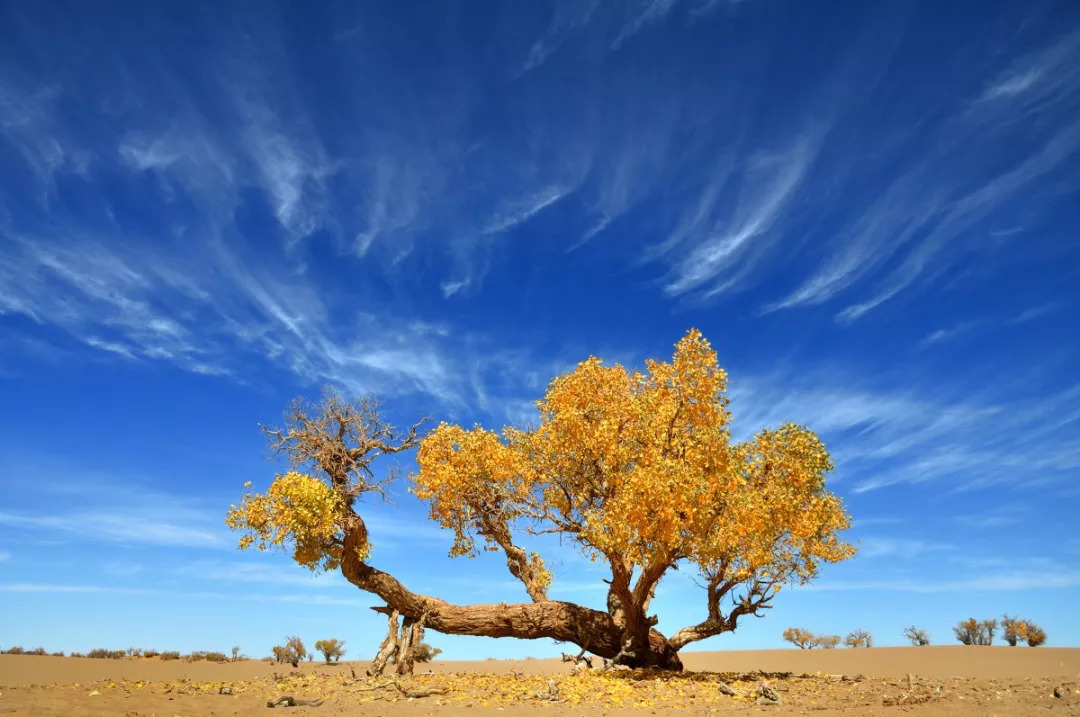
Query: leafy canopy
point(639, 468)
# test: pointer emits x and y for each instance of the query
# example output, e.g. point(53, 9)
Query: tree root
point(769, 696)
point(290, 701)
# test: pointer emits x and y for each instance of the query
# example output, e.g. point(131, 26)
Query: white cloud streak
point(880, 438)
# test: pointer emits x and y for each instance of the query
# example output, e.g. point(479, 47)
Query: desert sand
point(947, 680)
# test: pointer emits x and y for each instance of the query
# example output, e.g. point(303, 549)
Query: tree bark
point(555, 619)
point(388, 647)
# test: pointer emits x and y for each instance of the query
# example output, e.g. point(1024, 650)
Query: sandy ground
point(949, 680)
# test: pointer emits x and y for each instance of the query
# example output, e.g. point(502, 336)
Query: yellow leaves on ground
point(298, 510)
point(628, 689)
point(640, 465)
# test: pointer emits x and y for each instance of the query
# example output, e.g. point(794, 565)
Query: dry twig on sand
point(290, 701)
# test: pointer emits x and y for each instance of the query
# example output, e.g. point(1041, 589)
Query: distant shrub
point(332, 650)
point(918, 636)
point(150, 653)
point(292, 652)
point(37, 651)
point(16, 650)
point(59, 653)
point(1034, 634)
point(827, 642)
point(102, 653)
point(426, 653)
point(170, 655)
point(77, 654)
point(215, 657)
point(859, 638)
point(799, 637)
point(134, 652)
point(973, 632)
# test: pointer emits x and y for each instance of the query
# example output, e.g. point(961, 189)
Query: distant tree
point(1034, 634)
point(1011, 629)
point(918, 636)
point(800, 637)
point(426, 653)
point(859, 638)
point(331, 649)
point(827, 642)
point(296, 646)
point(974, 632)
point(292, 652)
point(235, 653)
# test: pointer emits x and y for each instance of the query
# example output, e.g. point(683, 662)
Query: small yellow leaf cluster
point(299, 511)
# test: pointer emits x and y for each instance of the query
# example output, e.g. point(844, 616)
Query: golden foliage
point(639, 468)
point(298, 510)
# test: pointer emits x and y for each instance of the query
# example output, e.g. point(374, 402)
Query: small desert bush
point(170, 655)
point(799, 637)
point(16, 650)
point(58, 653)
point(37, 651)
point(77, 654)
point(101, 652)
point(332, 650)
point(292, 652)
point(918, 636)
point(806, 640)
point(150, 653)
point(1033, 634)
point(974, 632)
point(859, 638)
point(426, 653)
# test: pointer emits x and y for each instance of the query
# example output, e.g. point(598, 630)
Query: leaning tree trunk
point(562, 621)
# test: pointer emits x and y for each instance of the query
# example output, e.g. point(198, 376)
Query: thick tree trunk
point(562, 621)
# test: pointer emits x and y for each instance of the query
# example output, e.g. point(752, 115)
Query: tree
point(1012, 629)
point(800, 638)
point(973, 632)
point(427, 653)
point(292, 652)
point(917, 636)
point(827, 642)
point(1033, 634)
point(235, 653)
point(635, 469)
point(859, 638)
point(331, 649)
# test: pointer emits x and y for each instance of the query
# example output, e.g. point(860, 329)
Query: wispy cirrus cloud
point(881, 438)
point(904, 548)
point(1006, 581)
point(263, 596)
point(135, 527)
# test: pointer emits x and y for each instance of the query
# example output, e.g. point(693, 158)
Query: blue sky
point(209, 209)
